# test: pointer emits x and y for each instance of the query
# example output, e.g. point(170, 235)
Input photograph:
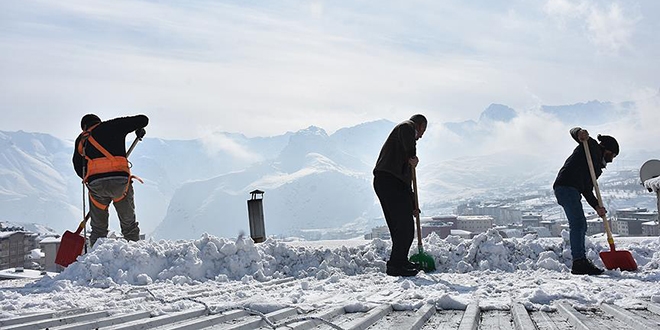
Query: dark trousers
point(571, 200)
point(396, 200)
point(105, 190)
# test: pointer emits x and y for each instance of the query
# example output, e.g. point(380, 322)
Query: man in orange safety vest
point(100, 160)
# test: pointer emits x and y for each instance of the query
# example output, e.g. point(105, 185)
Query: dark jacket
point(399, 147)
point(111, 135)
point(575, 172)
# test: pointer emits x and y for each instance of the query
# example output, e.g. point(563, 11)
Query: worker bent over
point(100, 160)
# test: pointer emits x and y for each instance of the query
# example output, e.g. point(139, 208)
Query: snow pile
point(652, 184)
point(170, 276)
point(211, 258)
point(489, 251)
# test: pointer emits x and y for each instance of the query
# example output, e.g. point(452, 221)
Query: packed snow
point(168, 276)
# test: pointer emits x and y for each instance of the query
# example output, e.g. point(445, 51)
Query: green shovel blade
point(424, 260)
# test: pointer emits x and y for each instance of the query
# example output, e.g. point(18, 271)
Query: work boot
point(584, 266)
point(401, 271)
point(412, 265)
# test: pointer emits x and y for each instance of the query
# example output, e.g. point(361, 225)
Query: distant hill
point(313, 183)
point(316, 184)
point(589, 113)
point(495, 113)
point(40, 230)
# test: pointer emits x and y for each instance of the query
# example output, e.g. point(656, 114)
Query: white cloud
point(565, 9)
point(645, 130)
point(532, 132)
point(316, 9)
point(216, 143)
point(609, 28)
point(266, 68)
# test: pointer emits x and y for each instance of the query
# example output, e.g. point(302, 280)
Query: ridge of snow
point(488, 268)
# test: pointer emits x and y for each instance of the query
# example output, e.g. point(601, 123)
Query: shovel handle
point(130, 149)
point(82, 224)
point(417, 220)
point(590, 162)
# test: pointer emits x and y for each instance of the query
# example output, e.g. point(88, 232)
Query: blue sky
point(267, 67)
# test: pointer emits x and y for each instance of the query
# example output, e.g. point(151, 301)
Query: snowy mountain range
point(316, 184)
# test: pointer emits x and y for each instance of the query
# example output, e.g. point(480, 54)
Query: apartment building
point(501, 213)
point(474, 223)
point(635, 222)
point(15, 247)
point(531, 220)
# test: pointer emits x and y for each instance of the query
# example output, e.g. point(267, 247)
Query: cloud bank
point(267, 68)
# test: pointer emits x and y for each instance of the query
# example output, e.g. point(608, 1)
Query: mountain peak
point(312, 130)
point(498, 112)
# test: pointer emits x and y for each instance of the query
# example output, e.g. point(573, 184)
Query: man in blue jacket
point(392, 183)
point(100, 160)
point(573, 182)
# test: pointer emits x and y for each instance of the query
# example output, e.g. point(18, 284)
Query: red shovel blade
point(71, 247)
point(618, 259)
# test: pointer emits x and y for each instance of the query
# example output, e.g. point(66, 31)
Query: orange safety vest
point(106, 164)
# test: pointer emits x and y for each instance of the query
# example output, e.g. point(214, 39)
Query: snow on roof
point(460, 232)
point(474, 217)
point(51, 240)
point(17, 273)
point(5, 234)
point(436, 223)
point(241, 273)
point(36, 254)
point(652, 184)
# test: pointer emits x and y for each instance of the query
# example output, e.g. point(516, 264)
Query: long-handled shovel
point(72, 243)
point(613, 258)
point(424, 260)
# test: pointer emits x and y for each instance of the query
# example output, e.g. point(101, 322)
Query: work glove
point(140, 132)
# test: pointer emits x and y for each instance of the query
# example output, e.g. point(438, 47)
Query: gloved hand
point(140, 132)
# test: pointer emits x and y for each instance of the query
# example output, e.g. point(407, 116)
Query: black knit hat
point(89, 120)
point(418, 119)
point(609, 143)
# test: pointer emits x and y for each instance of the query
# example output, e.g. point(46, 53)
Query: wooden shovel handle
point(417, 220)
point(590, 162)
